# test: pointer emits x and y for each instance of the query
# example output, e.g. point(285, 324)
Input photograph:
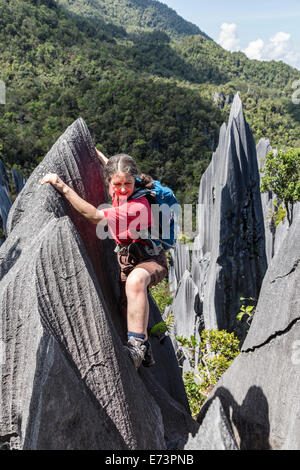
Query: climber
point(141, 267)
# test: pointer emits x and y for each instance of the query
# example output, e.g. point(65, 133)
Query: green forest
point(145, 90)
point(133, 16)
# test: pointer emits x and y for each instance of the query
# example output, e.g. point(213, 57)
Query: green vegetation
point(143, 79)
point(133, 15)
point(163, 326)
point(141, 92)
point(281, 174)
point(161, 294)
point(214, 352)
point(247, 310)
point(217, 349)
point(58, 68)
point(277, 213)
point(163, 298)
point(216, 65)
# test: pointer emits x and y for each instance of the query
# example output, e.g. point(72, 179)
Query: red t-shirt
point(125, 218)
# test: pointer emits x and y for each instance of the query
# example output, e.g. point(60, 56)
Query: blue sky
point(263, 29)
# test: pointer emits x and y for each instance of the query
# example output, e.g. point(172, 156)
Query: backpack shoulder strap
point(141, 192)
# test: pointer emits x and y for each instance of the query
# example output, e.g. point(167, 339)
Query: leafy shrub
point(217, 349)
point(161, 294)
point(248, 310)
point(281, 174)
point(163, 298)
point(277, 213)
point(163, 326)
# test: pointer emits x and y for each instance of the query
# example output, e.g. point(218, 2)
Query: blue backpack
point(168, 209)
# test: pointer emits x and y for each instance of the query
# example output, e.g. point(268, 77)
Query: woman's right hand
point(103, 159)
point(56, 181)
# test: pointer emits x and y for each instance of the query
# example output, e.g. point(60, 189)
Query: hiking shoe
point(137, 350)
point(149, 359)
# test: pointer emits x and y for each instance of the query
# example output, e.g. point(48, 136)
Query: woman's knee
point(137, 281)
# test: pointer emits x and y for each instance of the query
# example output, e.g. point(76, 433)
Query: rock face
point(65, 380)
point(18, 180)
point(5, 205)
point(179, 263)
point(228, 257)
point(230, 247)
point(186, 309)
point(215, 431)
point(5, 202)
point(186, 306)
point(221, 100)
point(259, 392)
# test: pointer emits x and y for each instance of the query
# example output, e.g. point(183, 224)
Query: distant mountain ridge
point(140, 93)
point(134, 15)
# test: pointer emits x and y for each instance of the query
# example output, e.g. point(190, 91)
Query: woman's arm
point(86, 209)
point(103, 159)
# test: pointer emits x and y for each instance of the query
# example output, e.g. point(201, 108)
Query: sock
point(135, 335)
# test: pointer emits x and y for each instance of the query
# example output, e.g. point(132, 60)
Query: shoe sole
point(148, 364)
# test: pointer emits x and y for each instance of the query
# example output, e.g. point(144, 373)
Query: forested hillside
point(134, 15)
point(139, 93)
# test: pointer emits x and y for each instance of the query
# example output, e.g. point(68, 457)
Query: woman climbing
point(141, 265)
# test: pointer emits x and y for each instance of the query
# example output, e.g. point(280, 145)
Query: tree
point(282, 176)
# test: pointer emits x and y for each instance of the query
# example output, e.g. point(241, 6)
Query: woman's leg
point(137, 279)
point(137, 301)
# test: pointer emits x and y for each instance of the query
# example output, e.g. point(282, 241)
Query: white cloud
point(255, 49)
point(278, 47)
point(293, 58)
point(228, 38)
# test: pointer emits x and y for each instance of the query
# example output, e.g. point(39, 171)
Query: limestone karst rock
point(3, 175)
point(5, 205)
point(186, 309)
point(219, 99)
point(18, 180)
point(230, 246)
point(186, 306)
point(215, 432)
point(179, 262)
point(259, 392)
point(228, 256)
point(5, 202)
point(65, 380)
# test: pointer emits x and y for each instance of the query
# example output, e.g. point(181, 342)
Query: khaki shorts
point(156, 266)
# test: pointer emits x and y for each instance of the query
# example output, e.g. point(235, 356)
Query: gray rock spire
point(66, 382)
point(231, 227)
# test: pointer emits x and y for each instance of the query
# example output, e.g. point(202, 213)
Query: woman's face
point(122, 184)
